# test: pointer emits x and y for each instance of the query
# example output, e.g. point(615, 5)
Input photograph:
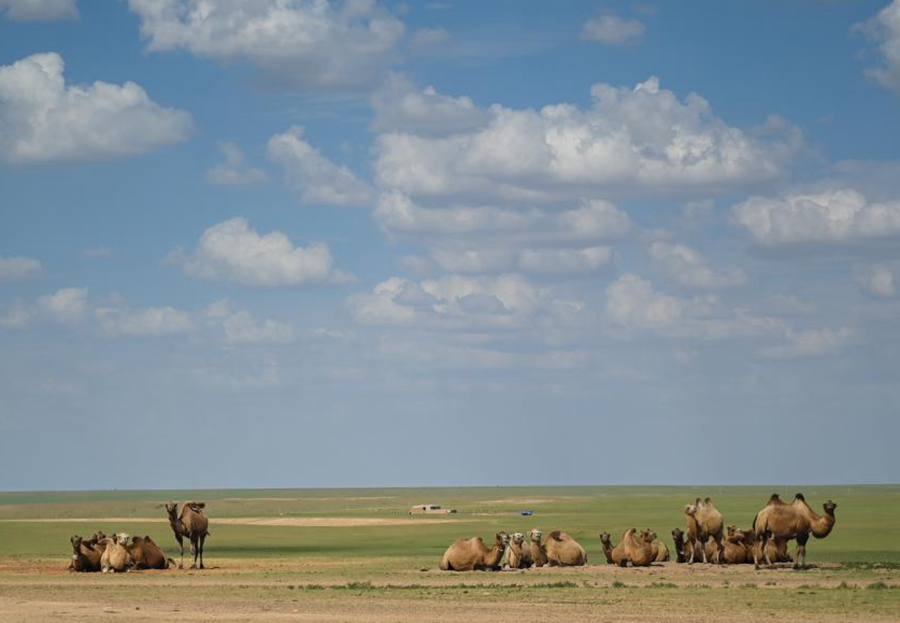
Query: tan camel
point(660, 551)
point(735, 550)
point(704, 521)
point(86, 555)
point(147, 554)
point(473, 555)
point(614, 555)
point(791, 521)
point(563, 550)
point(516, 552)
point(115, 557)
point(746, 538)
point(191, 523)
point(638, 548)
point(538, 550)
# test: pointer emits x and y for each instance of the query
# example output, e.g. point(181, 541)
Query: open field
point(355, 555)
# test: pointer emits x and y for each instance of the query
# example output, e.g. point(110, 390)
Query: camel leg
point(800, 563)
point(180, 540)
point(721, 549)
point(202, 541)
point(194, 552)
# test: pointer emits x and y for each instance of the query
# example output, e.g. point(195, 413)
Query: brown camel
point(473, 555)
point(614, 555)
point(638, 547)
point(147, 554)
point(86, 555)
point(684, 551)
point(777, 547)
point(191, 523)
point(791, 521)
point(660, 551)
point(538, 550)
point(564, 551)
point(704, 521)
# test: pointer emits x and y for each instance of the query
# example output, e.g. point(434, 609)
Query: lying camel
point(538, 551)
point(791, 521)
point(632, 548)
point(86, 555)
point(147, 554)
point(660, 551)
point(191, 523)
point(517, 555)
point(614, 555)
point(116, 557)
point(777, 547)
point(564, 551)
point(735, 550)
point(473, 555)
point(704, 521)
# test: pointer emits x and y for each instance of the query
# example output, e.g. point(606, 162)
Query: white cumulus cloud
point(642, 140)
point(39, 10)
point(884, 29)
point(810, 343)
point(235, 169)
point(232, 251)
point(150, 322)
point(241, 328)
point(66, 305)
point(311, 44)
point(691, 269)
point(42, 119)
point(16, 267)
point(401, 107)
point(611, 29)
point(829, 216)
point(315, 178)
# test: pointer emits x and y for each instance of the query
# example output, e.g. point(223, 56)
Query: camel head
point(691, 509)
point(647, 535)
point(536, 535)
point(121, 538)
point(172, 510)
point(604, 538)
point(76, 542)
point(829, 507)
point(98, 536)
point(518, 538)
point(502, 539)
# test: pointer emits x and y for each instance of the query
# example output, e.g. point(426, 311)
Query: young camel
point(473, 555)
point(791, 521)
point(191, 523)
point(684, 551)
point(614, 555)
point(116, 556)
point(632, 548)
point(704, 521)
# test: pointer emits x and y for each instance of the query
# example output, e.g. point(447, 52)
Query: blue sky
point(289, 243)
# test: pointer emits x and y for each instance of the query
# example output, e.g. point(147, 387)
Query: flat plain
point(357, 555)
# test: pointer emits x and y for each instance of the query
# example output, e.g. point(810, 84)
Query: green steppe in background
point(866, 529)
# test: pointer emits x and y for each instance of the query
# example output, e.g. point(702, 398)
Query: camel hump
point(556, 535)
point(708, 500)
point(799, 496)
point(775, 499)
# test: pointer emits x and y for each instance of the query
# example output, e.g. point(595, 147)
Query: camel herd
point(706, 539)
point(114, 554)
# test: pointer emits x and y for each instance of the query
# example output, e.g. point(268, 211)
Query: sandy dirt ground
point(253, 591)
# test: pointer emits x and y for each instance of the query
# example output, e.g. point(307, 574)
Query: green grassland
point(388, 571)
point(866, 529)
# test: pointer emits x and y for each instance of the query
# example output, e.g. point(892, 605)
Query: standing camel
point(191, 523)
point(796, 520)
point(704, 521)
